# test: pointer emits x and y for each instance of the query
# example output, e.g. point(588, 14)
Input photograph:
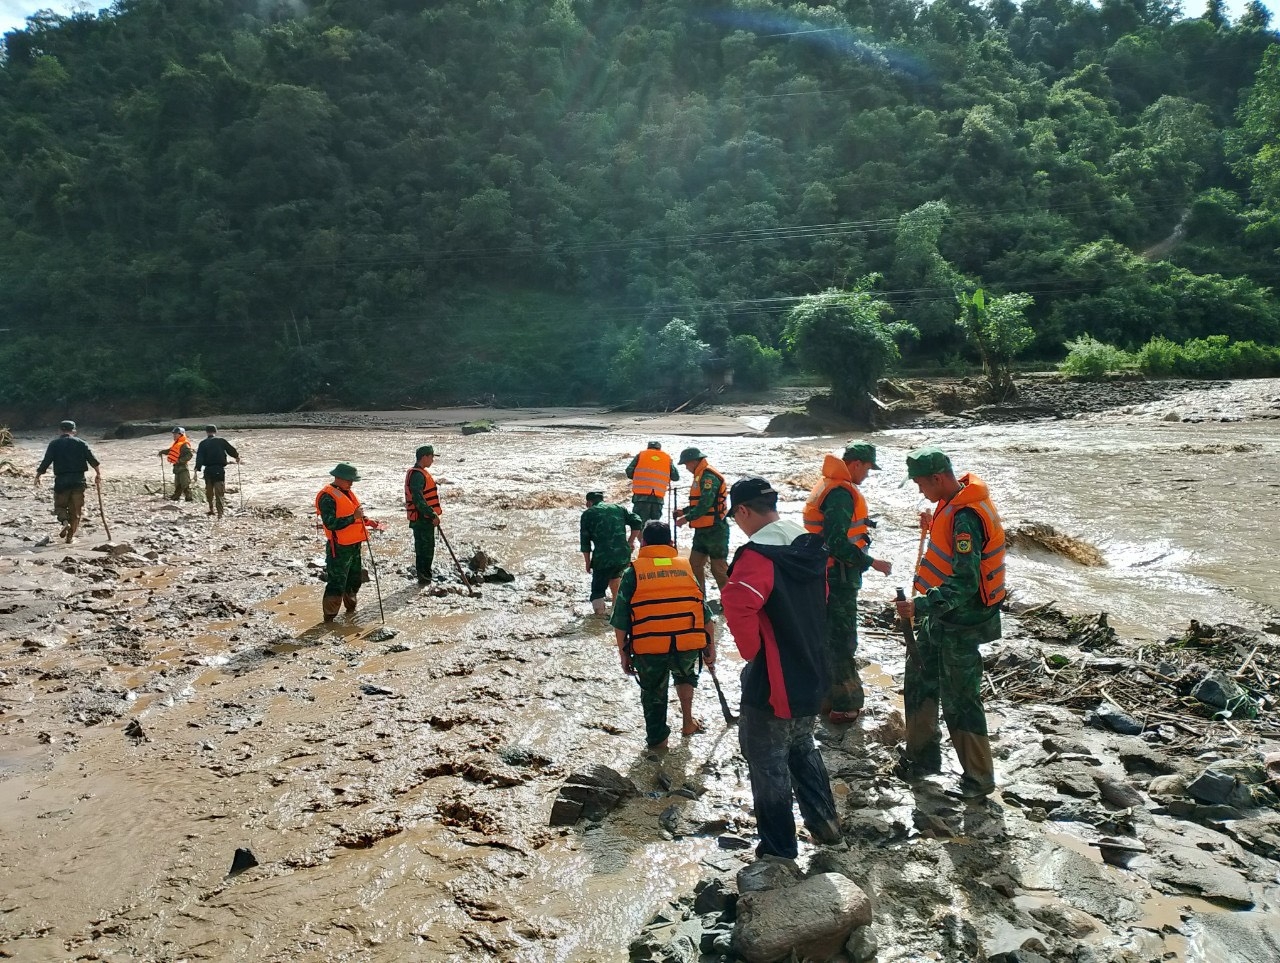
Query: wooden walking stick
point(377, 586)
point(163, 490)
point(675, 537)
point(102, 512)
point(908, 631)
point(240, 485)
point(729, 717)
point(465, 581)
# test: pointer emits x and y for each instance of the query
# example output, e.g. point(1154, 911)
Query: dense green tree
point(845, 336)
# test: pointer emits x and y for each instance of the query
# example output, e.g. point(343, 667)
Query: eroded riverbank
point(396, 793)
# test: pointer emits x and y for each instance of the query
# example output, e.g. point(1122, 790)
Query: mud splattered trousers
point(653, 673)
point(710, 544)
point(424, 549)
point(215, 489)
point(68, 506)
point(949, 673)
point(845, 693)
point(182, 483)
point(783, 759)
point(344, 575)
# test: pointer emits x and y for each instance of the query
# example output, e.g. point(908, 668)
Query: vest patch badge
point(964, 543)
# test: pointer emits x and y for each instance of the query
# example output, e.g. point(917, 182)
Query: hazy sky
point(14, 12)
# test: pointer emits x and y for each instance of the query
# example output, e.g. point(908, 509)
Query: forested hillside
point(262, 203)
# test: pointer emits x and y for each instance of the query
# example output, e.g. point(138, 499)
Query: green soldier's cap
point(861, 451)
point(691, 454)
point(655, 444)
point(345, 471)
point(926, 461)
point(67, 425)
point(595, 496)
point(426, 450)
point(211, 428)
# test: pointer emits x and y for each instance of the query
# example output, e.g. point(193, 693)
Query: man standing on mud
point(837, 511)
point(211, 457)
point(775, 606)
point(959, 586)
point(651, 473)
point(344, 528)
point(71, 458)
point(605, 545)
point(662, 627)
point(705, 514)
point(422, 505)
point(179, 455)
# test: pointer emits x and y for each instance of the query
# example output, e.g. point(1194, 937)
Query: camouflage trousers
point(947, 674)
point(344, 576)
point(845, 693)
point(181, 483)
point(648, 508)
point(653, 673)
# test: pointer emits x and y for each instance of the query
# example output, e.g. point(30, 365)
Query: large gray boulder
point(813, 918)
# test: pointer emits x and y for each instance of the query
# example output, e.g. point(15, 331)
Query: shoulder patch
point(708, 482)
point(964, 543)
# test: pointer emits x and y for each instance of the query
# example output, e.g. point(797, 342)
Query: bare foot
point(692, 728)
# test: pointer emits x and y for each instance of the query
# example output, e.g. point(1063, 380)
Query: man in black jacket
point(211, 456)
point(70, 458)
point(775, 606)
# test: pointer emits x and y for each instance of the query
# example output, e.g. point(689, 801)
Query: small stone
point(243, 859)
point(134, 730)
point(862, 945)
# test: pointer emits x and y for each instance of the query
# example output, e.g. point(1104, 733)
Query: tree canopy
point(277, 201)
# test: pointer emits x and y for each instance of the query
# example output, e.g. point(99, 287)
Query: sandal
point(843, 718)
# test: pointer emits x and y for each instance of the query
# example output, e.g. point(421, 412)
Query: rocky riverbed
point(168, 699)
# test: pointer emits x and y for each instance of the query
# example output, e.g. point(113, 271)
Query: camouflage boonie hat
point(861, 451)
point(926, 461)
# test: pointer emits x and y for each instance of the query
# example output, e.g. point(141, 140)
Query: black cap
point(211, 428)
point(594, 497)
point(655, 532)
point(67, 425)
point(747, 489)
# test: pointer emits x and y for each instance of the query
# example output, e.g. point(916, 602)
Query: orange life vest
point(652, 474)
point(666, 608)
point(429, 494)
point(835, 474)
point(346, 504)
point(175, 450)
point(937, 563)
point(695, 493)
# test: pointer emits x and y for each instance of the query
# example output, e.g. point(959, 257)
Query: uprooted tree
point(844, 336)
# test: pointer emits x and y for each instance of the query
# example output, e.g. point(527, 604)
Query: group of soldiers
point(790, 598)
point(662, 616)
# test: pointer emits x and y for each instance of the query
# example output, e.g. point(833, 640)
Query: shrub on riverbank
point(1216, 356)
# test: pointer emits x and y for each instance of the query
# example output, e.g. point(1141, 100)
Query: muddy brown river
point(396, 793)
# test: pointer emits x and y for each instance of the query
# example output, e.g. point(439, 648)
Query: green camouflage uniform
point(424, 529)
point(844, 579)
point(182, 473)
point(655, 672)
point(648, 507)
point(602, 531)
point(711, 543)
point(343, 569)
point(951, 622)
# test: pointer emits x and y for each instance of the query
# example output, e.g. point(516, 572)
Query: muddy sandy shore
point(169, 701)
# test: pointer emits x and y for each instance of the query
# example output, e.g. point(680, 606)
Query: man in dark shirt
point(211, 455)
point(70, 458)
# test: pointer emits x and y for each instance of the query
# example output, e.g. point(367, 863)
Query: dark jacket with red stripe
point(775, 603)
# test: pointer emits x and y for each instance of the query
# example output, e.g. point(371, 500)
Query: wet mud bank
point(172, 699)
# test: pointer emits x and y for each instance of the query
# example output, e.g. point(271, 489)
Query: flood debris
point(1047, 538)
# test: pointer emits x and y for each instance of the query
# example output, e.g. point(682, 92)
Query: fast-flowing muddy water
point(396, 793)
